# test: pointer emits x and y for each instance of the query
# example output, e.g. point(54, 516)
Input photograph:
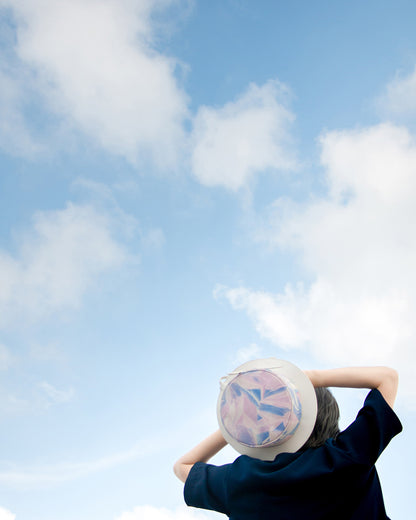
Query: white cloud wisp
point(41, 476)
point(399, 97)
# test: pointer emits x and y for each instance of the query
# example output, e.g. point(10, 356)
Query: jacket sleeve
point(366, 438)
point(206, 487)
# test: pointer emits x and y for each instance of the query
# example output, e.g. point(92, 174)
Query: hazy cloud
point(242, 138)
point(399, 97)
point(56, 396)
point(50, 352)
point(15, 136)
point(5, 514)
point(6, 358)
point(244, 354)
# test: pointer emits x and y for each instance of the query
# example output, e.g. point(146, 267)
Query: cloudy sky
point(186, 185)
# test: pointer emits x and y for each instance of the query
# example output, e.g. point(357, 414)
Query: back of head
point(326, 425)
point(266, 407)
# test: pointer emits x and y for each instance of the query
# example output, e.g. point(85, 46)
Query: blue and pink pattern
point(259, 408)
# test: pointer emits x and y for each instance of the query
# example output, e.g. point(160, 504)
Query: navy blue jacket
point(335, 481)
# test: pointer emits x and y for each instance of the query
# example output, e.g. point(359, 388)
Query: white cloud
point(242, 138)
point(57, 261)
point(358, 247)
point(96, 66)
point(155, 513)
point(6, 359)
point(399, 96)
point(264, 309)
point(5, 514)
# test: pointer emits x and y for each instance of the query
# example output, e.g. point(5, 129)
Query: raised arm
point(201, 453)
point(385, 379)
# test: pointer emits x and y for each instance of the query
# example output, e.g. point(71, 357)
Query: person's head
point(326, 425)
point(266, 407)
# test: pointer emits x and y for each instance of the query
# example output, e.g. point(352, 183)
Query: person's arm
point(385, 379)
point(201, 453)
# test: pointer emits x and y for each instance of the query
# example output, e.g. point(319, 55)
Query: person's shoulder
point(368, 435)
point(376, 401)
point(376, 413)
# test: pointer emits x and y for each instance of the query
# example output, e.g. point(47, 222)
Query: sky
point(184, 186)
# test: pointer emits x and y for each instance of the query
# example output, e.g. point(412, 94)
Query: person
point(313, 471)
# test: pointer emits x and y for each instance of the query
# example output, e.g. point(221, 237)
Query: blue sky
point(184, 186)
